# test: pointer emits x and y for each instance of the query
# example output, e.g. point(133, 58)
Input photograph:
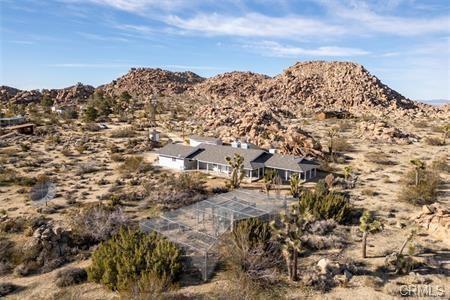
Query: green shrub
point(132, 255)
point(325, 205)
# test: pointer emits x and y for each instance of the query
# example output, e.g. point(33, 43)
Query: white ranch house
point(208, 155)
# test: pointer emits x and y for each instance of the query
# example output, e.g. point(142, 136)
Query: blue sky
point(53, 44)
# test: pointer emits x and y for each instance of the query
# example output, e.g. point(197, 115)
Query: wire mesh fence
point(197, 228)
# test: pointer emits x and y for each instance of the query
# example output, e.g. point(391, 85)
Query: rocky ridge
point(145, 82)
point(69, 95)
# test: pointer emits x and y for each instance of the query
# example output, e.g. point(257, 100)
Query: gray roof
point(200, 138)
point(289, 162)
point(177, 150)
point(216, 154)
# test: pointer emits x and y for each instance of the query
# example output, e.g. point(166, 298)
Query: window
point(174, 159)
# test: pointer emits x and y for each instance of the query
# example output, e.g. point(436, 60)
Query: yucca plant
point(347, 171)
point(269, 176)
point(237, 170)
point(289, 231)
point(294, 184)
point(418, 166)
point(368, 224)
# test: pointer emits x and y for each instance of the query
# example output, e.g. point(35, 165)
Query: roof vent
point(272, 151)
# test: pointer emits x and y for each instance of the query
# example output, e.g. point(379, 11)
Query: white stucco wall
point(168, 162)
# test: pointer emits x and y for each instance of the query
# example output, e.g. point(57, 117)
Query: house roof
point(289, 162)
point(177, 150)
point(217, 153)
point(200, 138)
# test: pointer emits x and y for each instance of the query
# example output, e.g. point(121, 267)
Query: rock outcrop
point(232, 85)
point(383, 132)
point(47, 249)
point(71, 94)
point(7, 92)
point(144, 82)
point(436, 219)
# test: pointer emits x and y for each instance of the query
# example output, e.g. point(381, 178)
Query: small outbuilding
point(154, 135)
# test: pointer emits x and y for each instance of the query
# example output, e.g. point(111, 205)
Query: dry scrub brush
point(419, 186)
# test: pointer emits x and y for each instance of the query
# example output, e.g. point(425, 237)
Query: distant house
point(12, 121)
point(57, 109)
point(211, 158)
point(323, 115)
point(195, 140)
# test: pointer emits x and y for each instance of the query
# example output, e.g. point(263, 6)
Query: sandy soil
point(377, 190)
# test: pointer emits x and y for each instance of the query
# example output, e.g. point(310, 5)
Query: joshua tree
point(418, 165)
point(446, 133)
point(367, 225)
point(269, 176)
point(332, 134)
point(237, 170)
point(289, 234)
point(347, 171)
point(294, 183)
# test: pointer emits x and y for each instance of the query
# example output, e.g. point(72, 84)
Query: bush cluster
point(324, 205)
point(132, 256)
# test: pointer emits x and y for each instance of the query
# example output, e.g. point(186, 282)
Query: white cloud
point(138, 6)
point(276, 49)
point(104, 38)
point(367, 20)
point(255, 25)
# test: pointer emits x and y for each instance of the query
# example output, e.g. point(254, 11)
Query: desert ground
point(86, 166)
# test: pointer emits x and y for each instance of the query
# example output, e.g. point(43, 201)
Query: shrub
point(324, 205)
point(70, 277)
point(132, 164)
point(432, 141)
point(7, 288)
point(424, 192)
point(94, 127)
point(440, 164)
point(131, 255)
point(124, 132)
point(97, 223)
point(188, 182)
point(340, 144)
point(252, 259)
point(380, 158)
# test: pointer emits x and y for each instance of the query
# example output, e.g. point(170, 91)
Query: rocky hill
point(333, 85)
point(232, 85)
point(146, 82)
point(78, 92)
point(7, 92)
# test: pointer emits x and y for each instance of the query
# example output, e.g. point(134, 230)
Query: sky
point(57, 43)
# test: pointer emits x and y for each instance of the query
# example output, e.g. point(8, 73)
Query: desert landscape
point(75, 190)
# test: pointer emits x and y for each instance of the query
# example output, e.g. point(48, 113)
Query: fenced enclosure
point(197, 227)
